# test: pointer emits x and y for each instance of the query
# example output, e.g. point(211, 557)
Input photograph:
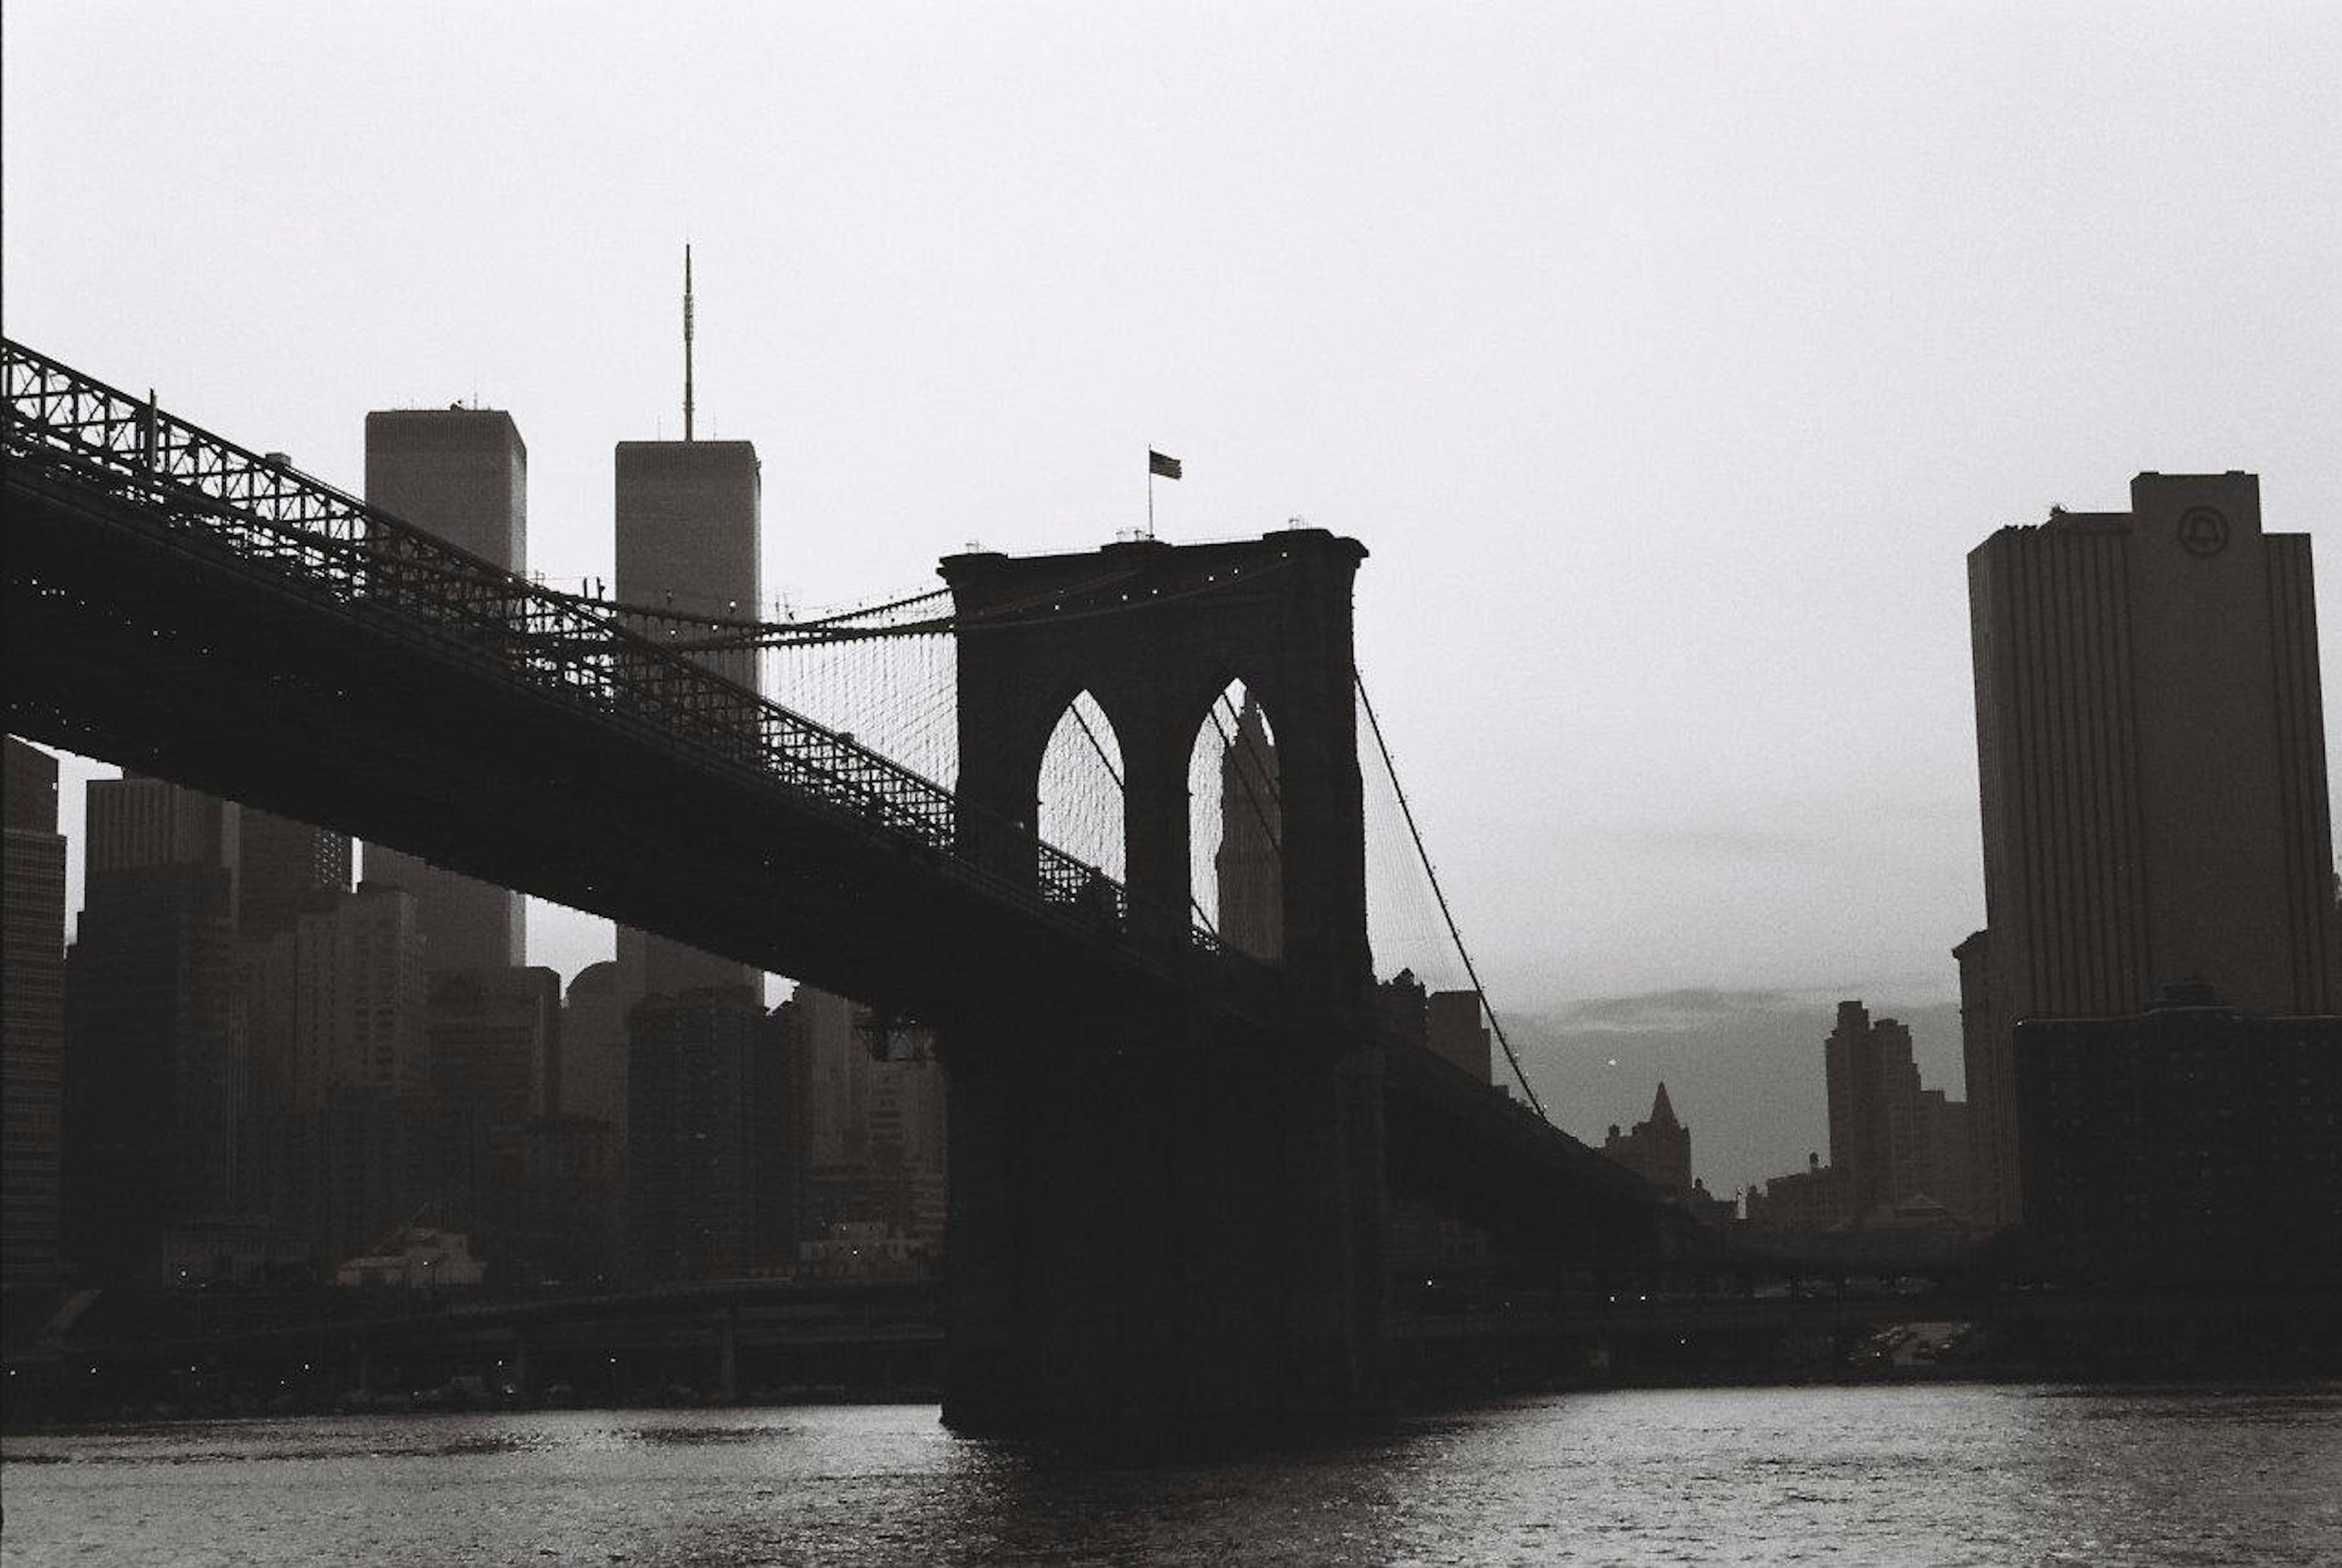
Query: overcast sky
point(1668, 359)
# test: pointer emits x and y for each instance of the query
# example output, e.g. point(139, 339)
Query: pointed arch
point(1237, 823)
point(1079, 804)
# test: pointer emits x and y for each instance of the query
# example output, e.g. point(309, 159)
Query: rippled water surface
point(1887, 1476)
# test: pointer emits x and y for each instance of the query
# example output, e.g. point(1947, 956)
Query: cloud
point(1667, 1011)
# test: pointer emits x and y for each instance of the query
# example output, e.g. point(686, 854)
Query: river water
point(1904, 1475)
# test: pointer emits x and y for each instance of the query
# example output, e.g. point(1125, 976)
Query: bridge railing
point(330, 545)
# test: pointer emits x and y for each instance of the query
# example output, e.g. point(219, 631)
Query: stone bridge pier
point(1166, 1210)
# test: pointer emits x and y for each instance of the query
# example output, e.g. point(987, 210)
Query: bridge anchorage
point(1172, 1166)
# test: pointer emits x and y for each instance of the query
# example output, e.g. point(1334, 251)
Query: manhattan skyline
point(1669, 365)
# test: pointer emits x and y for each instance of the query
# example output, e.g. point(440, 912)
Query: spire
point(1662, 1114)
point(687, 340)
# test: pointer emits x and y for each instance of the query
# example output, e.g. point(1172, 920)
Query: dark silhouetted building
point(1802, 1203)
point(1453, 1030)
point(1250, 863)
point(153, 1065)
point(2188, 1142)
point(31, 1017)
point(154, 1072)
point(2151, 750)
point(346, 1131)
point(1877, 1140)
point(462, 474)
point(689, 514)
point(1659, 1148)
point(594, 1048)
point(712, 1137)
point(872, 1124)
point(282, 866)
point(495, 1050)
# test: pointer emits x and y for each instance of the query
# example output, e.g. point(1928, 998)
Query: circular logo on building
point(2203, 531)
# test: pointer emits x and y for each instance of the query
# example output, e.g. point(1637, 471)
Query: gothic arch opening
point(1235, 821)
point(1079, 805)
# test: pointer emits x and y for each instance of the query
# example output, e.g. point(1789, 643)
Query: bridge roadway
point(180, 606)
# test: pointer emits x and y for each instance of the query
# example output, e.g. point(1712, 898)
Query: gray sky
point(1668, 359)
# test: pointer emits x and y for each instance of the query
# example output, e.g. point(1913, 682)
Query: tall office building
point(154, 1068)
point(594, 1048)
point(136, 822)
point(1879, 1121)
point(344, 1134)
point(688, 516)
point(462, 474)
point(495, 1067)
point(873, 1148)
point(32, 1016)
point(1454, 1028)
point(1250, 863)
point(282, 866)
point(712, 1156)
point(2151, 749)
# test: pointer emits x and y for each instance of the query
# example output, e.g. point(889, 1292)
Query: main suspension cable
point(1407, 812)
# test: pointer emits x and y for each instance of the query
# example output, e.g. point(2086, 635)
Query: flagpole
point(1150, 493)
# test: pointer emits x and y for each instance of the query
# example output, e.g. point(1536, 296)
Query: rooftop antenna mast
point(687, 340)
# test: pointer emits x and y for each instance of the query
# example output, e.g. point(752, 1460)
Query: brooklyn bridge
point(1173, 1162)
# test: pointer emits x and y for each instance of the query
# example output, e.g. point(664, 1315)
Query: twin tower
point(688, 518)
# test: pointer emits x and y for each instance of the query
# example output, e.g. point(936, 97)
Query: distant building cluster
point(2151, 1019)
point(1898, 1150)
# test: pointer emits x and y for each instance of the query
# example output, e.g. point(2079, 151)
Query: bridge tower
point(1166, 1211)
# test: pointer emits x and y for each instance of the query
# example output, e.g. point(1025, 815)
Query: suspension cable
point(1407, 812)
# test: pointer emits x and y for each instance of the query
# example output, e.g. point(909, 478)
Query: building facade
point(462, 474)
point(31, 1017)
point(1659, 1148)
point(2151, 753)
point(689, 516)
point(712, 1138)
point(1250, 865)
point(2186, 1142)
point(284, 867)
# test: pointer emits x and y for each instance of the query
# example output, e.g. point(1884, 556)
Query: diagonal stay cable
point(1445, 913)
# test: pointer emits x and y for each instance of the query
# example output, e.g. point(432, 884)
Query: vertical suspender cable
point(1440, 893)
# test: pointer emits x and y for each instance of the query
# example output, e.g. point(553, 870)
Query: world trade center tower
point(688, 514)
point(462, 474)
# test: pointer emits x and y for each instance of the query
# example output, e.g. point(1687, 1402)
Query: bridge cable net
point(1410, 924)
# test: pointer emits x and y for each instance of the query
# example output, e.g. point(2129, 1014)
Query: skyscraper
point(154, 1070)
point(32, 1016)
point(462, 474)
point(688, 515)
point(1251, 860)
point(283, 865)
point(712, 1161)
point(1878, 1122)
point(344, 1137)
point(2151, 749)
point(495, 1069)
